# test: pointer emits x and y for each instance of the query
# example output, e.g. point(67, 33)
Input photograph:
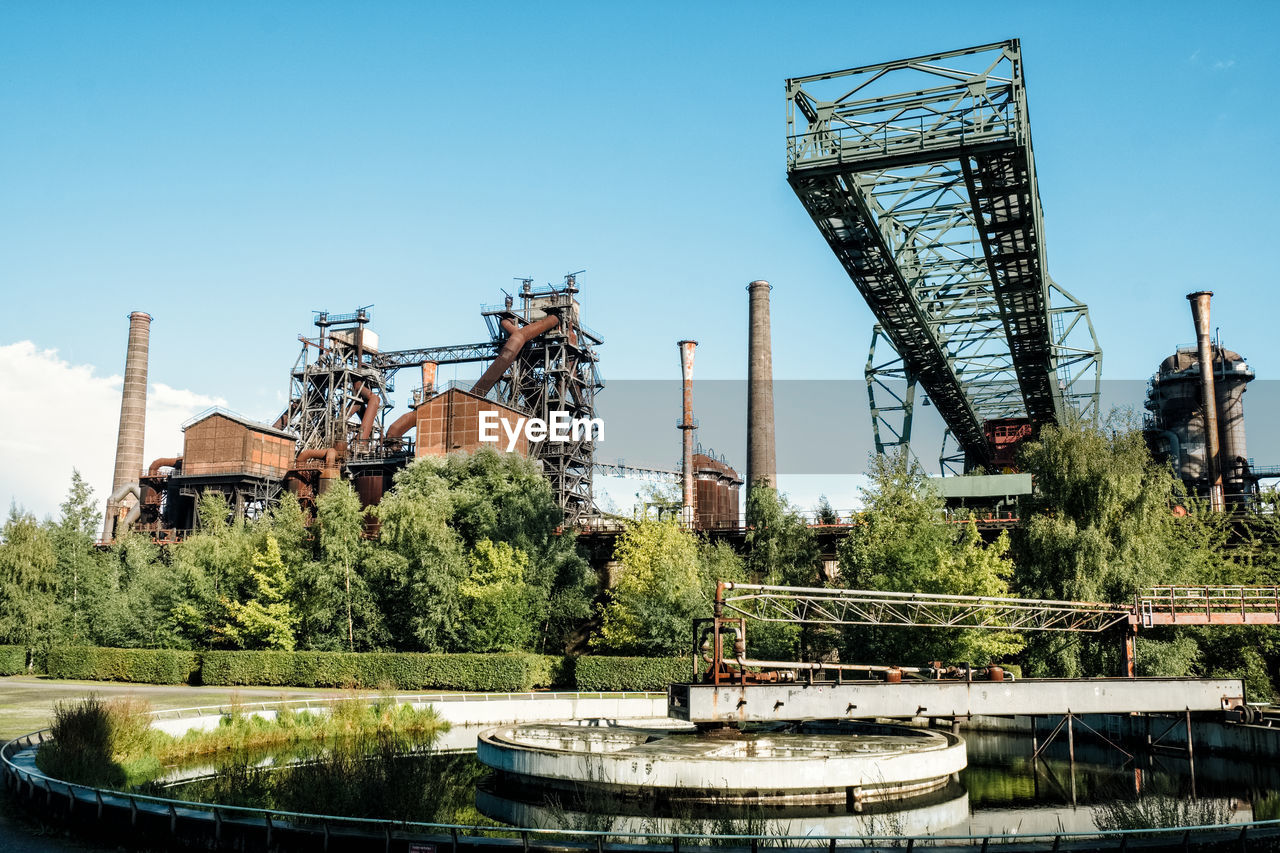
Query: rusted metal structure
point(717, 488)
point(720, 642)
point(762, 463)
point(1208, 398)
point(541, 363)
point(686, 427)
point(125, 502)
point(1196, 415)
point(547, 364)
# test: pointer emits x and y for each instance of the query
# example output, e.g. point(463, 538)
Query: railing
point(820, 605)
point(927, 124)
point(163, 816)
point(1209, 605)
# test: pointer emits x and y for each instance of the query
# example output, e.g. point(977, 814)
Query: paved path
point(26, 704)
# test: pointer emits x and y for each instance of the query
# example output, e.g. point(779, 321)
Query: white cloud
point(60, 416)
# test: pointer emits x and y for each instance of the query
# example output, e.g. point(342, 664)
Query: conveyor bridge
point(921, 176)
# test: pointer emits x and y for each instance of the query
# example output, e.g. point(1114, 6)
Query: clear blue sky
point(228, 167)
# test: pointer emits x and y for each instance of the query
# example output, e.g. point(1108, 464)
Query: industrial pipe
point(686, 430)
point(401, 425)
point(762, 466)
point(114, 502)
point(328, 454)
point(517, 337)
point(1200, 314)
point(163, 462)
point(369, 412)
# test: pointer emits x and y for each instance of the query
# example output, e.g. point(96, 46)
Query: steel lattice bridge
point(920, 175)
point(735, 688)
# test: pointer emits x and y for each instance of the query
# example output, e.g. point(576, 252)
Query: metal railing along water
point(160, 811)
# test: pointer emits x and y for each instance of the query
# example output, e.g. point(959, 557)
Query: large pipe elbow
point(163, 462)
point(517, 337)
point(369, 405)
point(402, 424)
point(328, 454)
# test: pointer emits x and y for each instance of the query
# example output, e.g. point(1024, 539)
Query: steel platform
point(710, 703)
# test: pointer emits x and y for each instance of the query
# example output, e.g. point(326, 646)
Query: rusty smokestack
point(428, 378)
point(686, 432)
point(761, 461)
point(133, 421)
point(1209, 399)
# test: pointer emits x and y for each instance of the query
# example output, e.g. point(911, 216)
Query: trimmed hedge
point(599, 672)
point(512, 673)
point(402, 671)
point(13, 660)
point(150, 666)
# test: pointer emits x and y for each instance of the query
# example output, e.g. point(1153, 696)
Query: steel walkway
point(921, 176)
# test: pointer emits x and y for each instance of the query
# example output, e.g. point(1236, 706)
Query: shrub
point(600, 672)
point(99, 742)
point(400, 671)
point(150, 666)
point(13, 660)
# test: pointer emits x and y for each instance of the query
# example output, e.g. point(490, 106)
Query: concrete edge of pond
point(130, 820)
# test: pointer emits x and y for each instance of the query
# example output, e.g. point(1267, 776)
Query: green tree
point(341, 523)
point(1099, 527)
point(28, 581)
point(442, 508)
point(263, 620)
point(82, 582)
point(899, 544)
point(658, 591)
point(780, 546)
point(417, 578)
point(498, 606)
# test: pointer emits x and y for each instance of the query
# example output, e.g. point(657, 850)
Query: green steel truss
point(920, 175)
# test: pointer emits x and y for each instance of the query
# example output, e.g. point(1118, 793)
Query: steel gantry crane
point(920, 175)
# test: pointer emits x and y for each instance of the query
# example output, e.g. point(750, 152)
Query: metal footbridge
point(921, 176)
point(733, 687)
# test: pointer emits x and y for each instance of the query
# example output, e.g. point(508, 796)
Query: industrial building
point(540, 362)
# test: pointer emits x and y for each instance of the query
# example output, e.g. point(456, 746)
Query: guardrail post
point(98, 796)
point(173, 820)
point(133, 812)
point(524, 840)
point(217, 826)
point(270, 828)
point(453, 835)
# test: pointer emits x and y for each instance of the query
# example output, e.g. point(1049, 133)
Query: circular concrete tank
point(859, 765)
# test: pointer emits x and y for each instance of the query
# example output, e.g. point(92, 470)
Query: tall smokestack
point(1200, 313)
point(686, 430)
point(761, 463)
point(133, 417)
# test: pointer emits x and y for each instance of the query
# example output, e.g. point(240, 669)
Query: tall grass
point(111, 743)
point(101, 742)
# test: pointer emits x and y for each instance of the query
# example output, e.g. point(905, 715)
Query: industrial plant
point(920, 177)
point(926, 194)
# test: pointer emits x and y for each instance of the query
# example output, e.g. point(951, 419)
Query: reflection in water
point(379, 777)
point(1002, 791)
